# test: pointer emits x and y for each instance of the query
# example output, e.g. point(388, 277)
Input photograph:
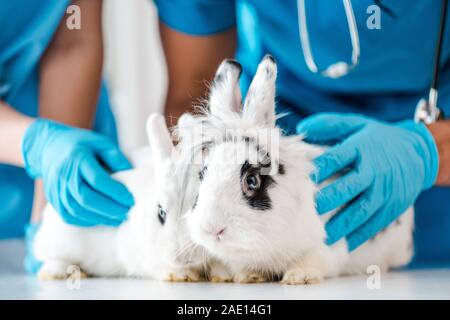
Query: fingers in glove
point(341, 191)
point(378, 222)
point(333, 161)
point(99, 180)
point(352, 217)
point(326, 127)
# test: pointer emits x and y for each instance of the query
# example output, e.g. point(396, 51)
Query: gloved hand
point(388, 166)
point(70, 160)
point(31, 264)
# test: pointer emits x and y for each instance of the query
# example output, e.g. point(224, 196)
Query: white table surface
point(411, 284)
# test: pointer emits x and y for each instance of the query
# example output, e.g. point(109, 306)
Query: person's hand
point(71, 163)
point(385, 167)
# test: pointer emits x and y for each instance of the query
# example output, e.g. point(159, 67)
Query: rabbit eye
point(161, 214)
point(255, 186)
point(252, 182)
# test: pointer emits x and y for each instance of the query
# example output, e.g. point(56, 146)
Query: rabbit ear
point(185, 129)
point(259, 106)
point(159, 137)
point(185, 121)
point(225, 96)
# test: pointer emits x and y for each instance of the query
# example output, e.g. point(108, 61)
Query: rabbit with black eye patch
point(255, 212)
point(152, 243)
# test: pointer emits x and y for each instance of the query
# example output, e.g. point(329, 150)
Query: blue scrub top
point(26, 29)
point(393, 73)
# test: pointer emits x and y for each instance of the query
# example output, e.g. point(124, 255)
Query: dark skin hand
point(71, 69)
point(192, 62)
point(441, 133)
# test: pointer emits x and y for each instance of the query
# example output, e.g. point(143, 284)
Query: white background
point(134, 66)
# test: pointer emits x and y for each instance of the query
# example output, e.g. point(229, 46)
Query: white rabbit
point(255, 212)
point(151, 243)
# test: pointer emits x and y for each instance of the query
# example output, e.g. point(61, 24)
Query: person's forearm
point(71, 69)
point(192, 62)
point(12, 129)
point(69, 86)
point(441, 133)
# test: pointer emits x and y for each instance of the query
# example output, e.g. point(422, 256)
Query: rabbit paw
point(185, 275)
point(219, 273)
point(58, 270)
point(221, 277)
point(302, 276)
point(252, 277)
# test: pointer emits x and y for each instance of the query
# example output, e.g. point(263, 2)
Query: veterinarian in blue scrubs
point(54, 152)
point(394, 162)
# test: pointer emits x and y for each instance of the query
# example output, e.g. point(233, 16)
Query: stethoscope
point(427, 110)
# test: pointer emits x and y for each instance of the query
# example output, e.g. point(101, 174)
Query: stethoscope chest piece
point(425, 114)
point(340, 68)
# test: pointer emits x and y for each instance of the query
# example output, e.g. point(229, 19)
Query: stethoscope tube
point(339, 68)
point(438, 50)
point(427, 110)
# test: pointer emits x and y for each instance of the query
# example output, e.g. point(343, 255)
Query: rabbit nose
point(217, 232)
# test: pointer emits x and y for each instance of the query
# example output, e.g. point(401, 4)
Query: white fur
point(287, 240)
point(141, 246)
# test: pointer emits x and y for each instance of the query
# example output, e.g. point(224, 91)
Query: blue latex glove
point(385, 166)
point(31, 264)
point(70, 160)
